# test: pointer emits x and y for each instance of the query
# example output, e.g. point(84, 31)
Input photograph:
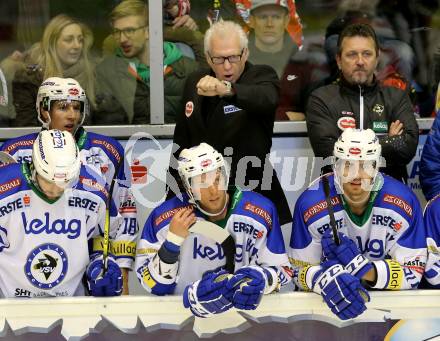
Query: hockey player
point(171, 260)
point(381, 232)
point(49, 209)
point(62, 104)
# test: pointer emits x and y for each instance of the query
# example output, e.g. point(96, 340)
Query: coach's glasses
point(231, 59)
point(127, 32)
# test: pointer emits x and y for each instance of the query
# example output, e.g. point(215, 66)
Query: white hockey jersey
point(44, 247)
point(251, 220)
point(432, 223)
point(390, 233)
point(104, 154)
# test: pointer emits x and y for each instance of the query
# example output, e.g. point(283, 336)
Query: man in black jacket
point(232, 108)
point(356, 100)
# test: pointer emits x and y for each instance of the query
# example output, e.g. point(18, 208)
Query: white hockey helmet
point(357, 145)
point(199, 160)
point(60, 89)
point(55, 157)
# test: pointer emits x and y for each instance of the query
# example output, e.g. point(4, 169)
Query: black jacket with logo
point(243, 121)
point(334, 107)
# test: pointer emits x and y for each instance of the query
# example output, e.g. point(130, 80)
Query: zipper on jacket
point(361, 108)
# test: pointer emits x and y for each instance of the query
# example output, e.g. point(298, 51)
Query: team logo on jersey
point(378, 109)
point(46, 266)
point(189, 108)
point(7, 186)
point(346, 122)
point(4, 242)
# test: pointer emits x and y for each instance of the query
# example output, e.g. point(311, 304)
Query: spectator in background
point(275, 35)
point(357, 100)
point(233, 105)
point(179, 28)
point(123, 79)
point(269, 42)
point(64, 51)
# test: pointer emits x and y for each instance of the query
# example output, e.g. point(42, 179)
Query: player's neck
point(222, 214)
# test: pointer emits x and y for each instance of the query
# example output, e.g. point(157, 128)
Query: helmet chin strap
point(212, 214)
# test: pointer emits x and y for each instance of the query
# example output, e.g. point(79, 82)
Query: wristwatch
point(229, 91)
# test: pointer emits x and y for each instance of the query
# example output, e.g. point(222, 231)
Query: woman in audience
point(64, 51)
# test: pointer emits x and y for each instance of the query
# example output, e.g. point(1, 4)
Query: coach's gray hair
point(224, 29)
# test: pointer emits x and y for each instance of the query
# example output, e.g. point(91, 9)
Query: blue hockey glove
point(342, 292)
point(108, 284)
point(248, 285)
point(347, 253)
point(208, 296)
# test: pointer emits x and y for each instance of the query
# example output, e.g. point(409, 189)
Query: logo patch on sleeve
point(396, 201)
point(7, 186)
point(319, 207)
point(259, 211)
point(168, 214)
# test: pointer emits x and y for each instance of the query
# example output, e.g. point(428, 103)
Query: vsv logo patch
point(72, 228)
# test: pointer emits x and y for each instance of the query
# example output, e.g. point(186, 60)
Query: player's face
point(69, 45)
point(132, 35)
point(210, 190)
point(64, 115)
point(227, 47)
point(50, 189)
point(358, 59)
point(269, 23)
point(357, 179)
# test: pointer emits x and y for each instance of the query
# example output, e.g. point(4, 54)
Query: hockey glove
point(342, 292)
point(346, 253)
point(207, 297)
point(247, 286)
point(108, 284)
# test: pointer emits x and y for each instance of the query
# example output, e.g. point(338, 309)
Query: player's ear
point(45, 115)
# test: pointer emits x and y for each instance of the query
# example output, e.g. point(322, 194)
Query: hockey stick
point(219, 235)
point(331, 212)
point(105, 247)
point(5, 158)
